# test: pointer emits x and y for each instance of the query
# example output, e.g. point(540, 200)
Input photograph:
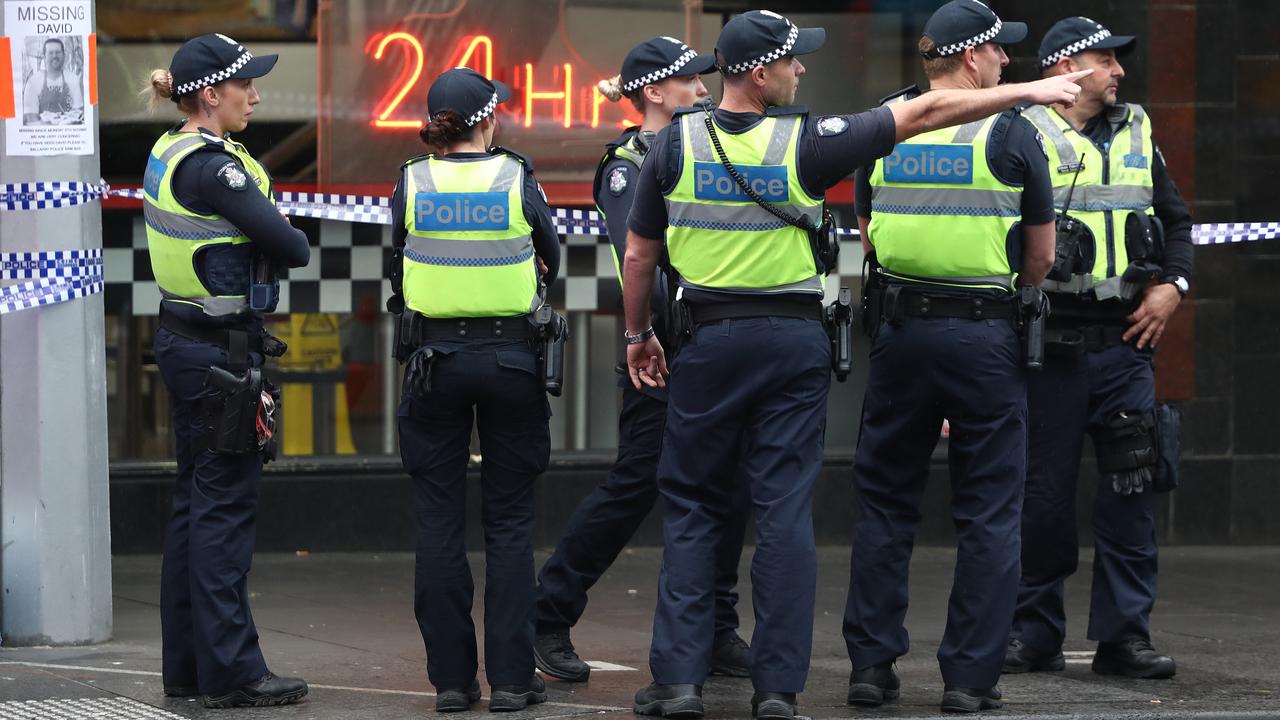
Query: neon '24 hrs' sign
point(571, 105)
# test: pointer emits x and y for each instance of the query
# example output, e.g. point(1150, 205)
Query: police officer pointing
point(470, 228)
point(950, 216)
point(658, 76)
point(755, 368)
point(1124, 259)
point(214, 237)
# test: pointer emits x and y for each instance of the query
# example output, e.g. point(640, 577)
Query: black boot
point(1021, 658)
point(773, 706)
point(970, 700)
point(1133, 658)
point(554, 655)
point(456, 700)
point(507, 698)
point(671, 701)
point(872, 686)
point(731, 657)
point(269, 690)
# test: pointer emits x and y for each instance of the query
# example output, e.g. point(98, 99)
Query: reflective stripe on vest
point(469, 250)
point(175, 234)
point(939, 214)
point(1115, 180)
point(718, 238)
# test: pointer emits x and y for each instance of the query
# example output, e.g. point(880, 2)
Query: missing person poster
point(50, 48)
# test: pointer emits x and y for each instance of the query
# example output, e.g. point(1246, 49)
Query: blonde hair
point(159, 87)
point(612, 90)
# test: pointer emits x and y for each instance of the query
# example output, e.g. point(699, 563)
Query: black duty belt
point(505, 328)
point(900, 302)
point(224, 338)
point(1075, 341)
point(711, 312)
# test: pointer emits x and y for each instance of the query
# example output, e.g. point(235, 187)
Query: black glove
point(1130, 482)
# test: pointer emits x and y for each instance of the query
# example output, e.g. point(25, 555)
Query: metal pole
point(54, 524)
point(389, 373)
point(581, 376)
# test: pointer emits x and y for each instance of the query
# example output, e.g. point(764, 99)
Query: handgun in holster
point(232, 412)
point(839, 322)
point(554, 330)
point(1033, 311)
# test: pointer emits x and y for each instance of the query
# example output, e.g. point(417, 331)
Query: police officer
point(470, 229)
point(213, 231)
point(1113, 292)
point(951, 216)
point(658, 76)
point(756, 369)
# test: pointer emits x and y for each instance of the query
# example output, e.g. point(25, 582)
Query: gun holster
point(838, 319)
point(554, 331)
point(872, 296)
point(1033, 310)
point(232, 413)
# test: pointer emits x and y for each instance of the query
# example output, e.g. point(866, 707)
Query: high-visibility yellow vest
point(1111, 183)
point(469, 251)
point(718, 238)
point(940, 215)
point(632, 152)
point(175, 235)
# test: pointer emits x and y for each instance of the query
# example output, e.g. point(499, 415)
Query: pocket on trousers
point(521, 360)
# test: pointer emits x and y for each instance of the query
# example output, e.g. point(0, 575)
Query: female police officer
point(658, 76)
point(211, 223)
point(470, 226)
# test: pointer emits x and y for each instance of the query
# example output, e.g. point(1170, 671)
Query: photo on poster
point(53, 68)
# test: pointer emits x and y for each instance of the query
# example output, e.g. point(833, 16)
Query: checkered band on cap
point(485, 111)
point(1076, 47)
point(975, 41)
point(662, 74)
point(214, 78)
point(792, 34)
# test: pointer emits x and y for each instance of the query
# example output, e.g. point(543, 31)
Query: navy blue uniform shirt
point(824, 157)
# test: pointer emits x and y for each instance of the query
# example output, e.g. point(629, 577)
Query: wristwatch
point(1178, 282)
point(640, 337)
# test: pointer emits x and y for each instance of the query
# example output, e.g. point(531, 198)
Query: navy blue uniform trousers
point(1071, 397)
point(921, 371)
point(751, 394)
point(491, 385)
point(606, 520)
point(209, 639)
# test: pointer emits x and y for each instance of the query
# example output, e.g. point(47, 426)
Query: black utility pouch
point(1168, 447)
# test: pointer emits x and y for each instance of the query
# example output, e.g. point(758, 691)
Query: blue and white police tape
point(58, 276)
point(1222, 233)
point(47, 291)
point(44, 195)
point(54, 264)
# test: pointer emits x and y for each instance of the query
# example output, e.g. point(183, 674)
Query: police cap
point(962, 24)
point(761, 36)
point(1074, 35)
point(468, 93)
point(210, 59)
point(660, 58)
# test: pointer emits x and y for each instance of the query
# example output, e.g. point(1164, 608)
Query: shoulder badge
point(1040, 142)
point(618, 181)
point(233, 176)
point(832, 125)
